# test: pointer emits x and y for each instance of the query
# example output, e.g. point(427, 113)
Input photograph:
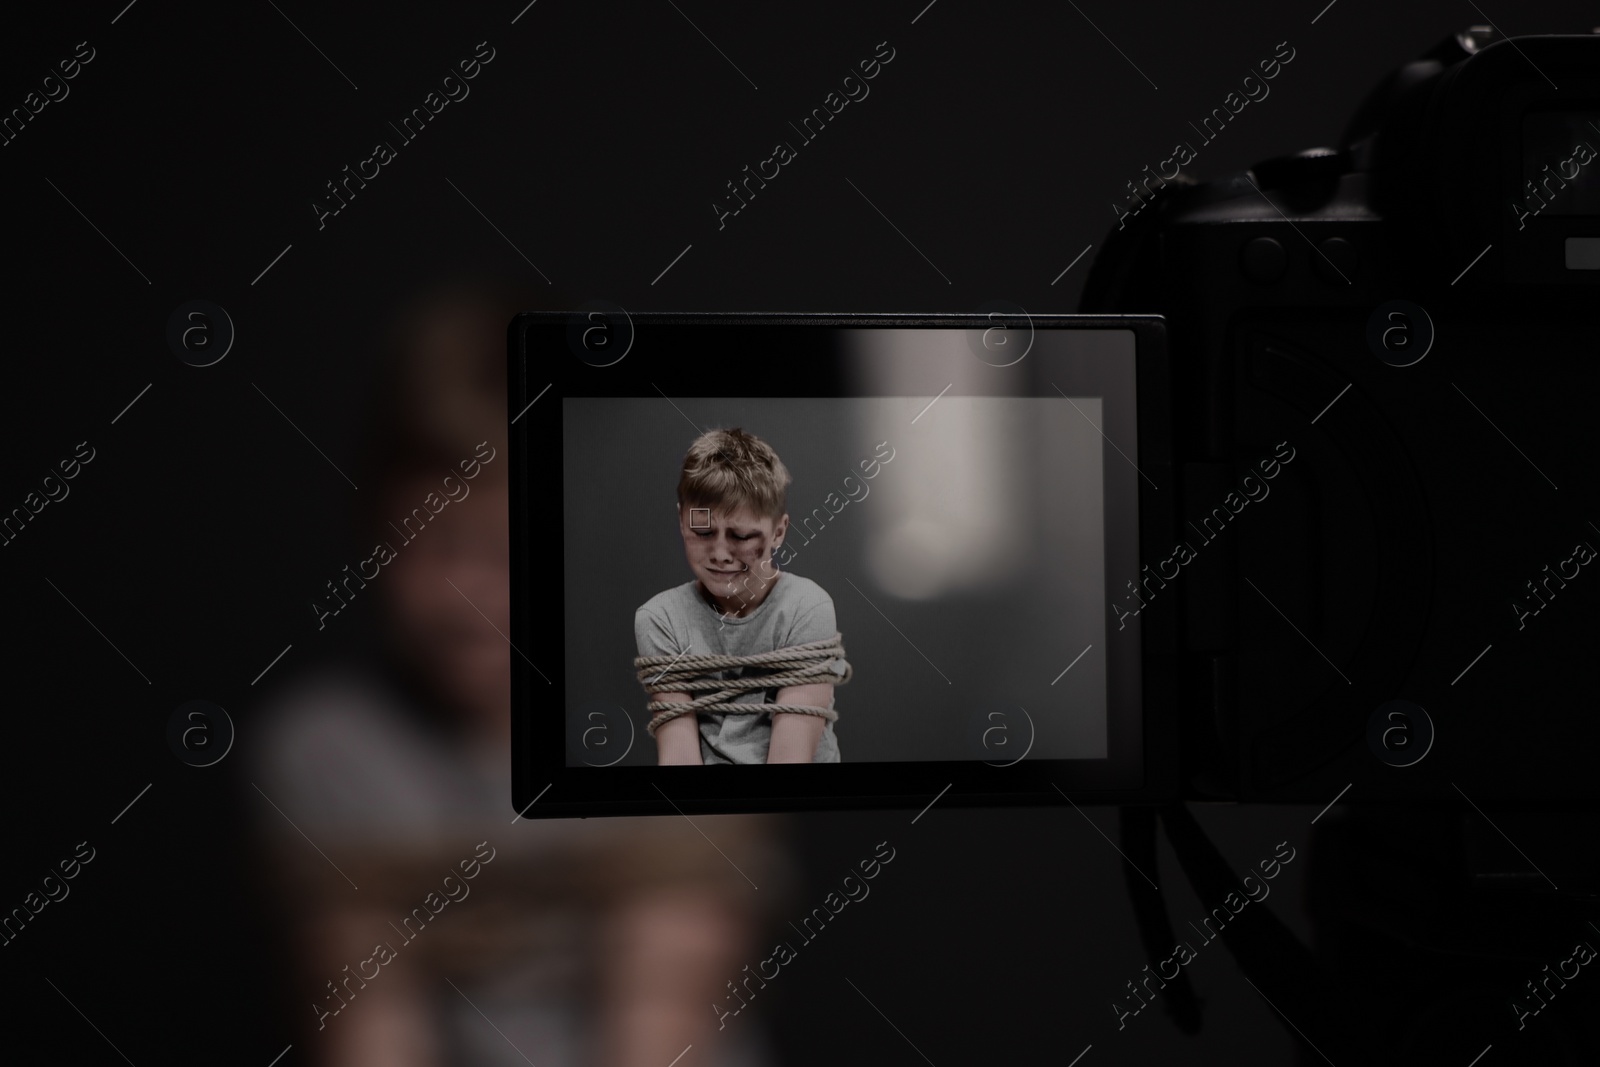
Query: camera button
point(1263, 260)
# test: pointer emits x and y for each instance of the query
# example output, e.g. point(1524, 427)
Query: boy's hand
point(678, 741)
point(795, 735)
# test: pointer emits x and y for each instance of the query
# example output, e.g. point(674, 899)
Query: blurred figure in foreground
point(426, 927)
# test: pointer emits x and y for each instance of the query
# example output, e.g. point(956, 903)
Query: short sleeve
point(653, 636)
point(816, 621)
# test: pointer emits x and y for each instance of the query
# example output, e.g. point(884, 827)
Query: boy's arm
point(795, 734)
point(678, 741)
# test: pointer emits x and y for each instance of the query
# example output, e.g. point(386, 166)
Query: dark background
point(997, 141)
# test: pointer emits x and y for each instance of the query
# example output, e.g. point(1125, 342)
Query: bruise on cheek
point(750, 553)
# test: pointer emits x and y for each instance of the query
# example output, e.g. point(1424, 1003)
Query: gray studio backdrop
point(969, 574)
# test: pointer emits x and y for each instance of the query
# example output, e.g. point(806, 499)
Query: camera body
point(1415, 315)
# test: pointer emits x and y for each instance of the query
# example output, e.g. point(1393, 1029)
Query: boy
point(732, 518)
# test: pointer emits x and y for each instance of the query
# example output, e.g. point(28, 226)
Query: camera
point(1404, 627)
point(1415, 312)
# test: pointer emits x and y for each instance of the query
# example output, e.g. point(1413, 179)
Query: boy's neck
point(747, 600)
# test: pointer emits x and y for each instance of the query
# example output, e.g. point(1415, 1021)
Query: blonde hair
point(730, 469)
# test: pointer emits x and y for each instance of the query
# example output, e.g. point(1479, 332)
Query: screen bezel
point(1141, 764)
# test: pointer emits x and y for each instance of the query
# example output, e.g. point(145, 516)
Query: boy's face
point(727, 549)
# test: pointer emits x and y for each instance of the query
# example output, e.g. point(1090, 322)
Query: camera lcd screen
point(941, 515)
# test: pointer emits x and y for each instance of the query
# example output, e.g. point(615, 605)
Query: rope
point(807, 664)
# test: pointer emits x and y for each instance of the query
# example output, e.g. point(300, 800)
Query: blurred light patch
point(956, 513)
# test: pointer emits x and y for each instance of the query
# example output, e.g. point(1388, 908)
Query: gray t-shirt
point(681, 620)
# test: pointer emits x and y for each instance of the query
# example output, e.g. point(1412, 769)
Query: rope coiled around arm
point(807, 664)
